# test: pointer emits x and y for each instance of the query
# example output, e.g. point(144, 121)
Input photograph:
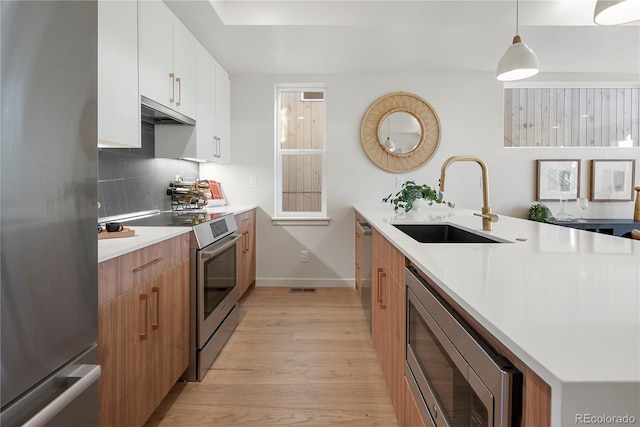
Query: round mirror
point(400, 132)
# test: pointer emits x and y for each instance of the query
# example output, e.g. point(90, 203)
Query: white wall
point(470, 111)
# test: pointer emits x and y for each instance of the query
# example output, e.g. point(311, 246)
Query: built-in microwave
point(455, 378)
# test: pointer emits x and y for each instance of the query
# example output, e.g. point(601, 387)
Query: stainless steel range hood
point(157, 114)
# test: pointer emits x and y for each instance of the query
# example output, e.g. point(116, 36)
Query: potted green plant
point(410, 192)
point(540, 212)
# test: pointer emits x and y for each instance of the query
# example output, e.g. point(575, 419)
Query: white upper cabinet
point(118, 92)
point(223, 115)
point(167, 58)
point(209, 140)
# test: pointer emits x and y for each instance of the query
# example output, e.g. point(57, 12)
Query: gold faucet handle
point(491, 217)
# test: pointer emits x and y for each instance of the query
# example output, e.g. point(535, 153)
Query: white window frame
point(299, 218)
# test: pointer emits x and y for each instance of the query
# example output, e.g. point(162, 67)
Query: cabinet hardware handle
point(245, 247)
point(217, 146)
point(179, 82)
point(156, 290)
point(147, 265)
point(173, 88)
point(383, 276)
point(144, 298)
point(378, 284)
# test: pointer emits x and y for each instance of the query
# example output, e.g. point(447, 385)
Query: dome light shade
point(616, 12)
point(389, 144)
point(518, 62)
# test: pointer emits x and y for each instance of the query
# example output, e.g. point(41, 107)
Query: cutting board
point(126, 232)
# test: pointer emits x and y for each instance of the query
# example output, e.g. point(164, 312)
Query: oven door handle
point(207, 254)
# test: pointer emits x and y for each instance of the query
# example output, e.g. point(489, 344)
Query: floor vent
point(302, 290)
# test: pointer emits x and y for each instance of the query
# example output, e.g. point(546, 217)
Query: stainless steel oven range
point(214, 288)
point(454, 377)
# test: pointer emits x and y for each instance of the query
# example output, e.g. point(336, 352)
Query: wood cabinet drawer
point(119, 275)
point(245, 219)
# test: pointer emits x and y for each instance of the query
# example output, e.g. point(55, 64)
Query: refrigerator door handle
point(82, 378)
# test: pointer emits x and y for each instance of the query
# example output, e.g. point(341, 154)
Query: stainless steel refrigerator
point(48, 215)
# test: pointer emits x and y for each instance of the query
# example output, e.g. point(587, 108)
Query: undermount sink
point(442, 233)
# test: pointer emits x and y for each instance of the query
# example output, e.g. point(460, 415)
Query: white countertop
point(565, 301)
point(145, 236)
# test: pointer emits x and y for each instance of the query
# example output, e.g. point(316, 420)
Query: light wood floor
point(294, 359)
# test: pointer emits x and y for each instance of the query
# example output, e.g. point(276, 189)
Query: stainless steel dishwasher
point(364, 230)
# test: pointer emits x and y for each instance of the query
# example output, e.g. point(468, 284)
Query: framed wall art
point(612, 180)
point(557, 179)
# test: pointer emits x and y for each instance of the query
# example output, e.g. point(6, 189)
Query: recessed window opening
point(300, 152)
point(572, 117)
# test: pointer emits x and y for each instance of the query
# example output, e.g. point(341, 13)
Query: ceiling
point(432, 36)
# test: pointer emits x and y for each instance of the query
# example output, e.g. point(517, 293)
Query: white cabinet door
point(206, 97)
point(156, 52)
point(223, 115)
point(184, 68)
point(194, 143)
point(118, 92)
point(167, 58)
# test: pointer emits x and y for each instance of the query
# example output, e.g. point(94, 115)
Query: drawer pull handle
point(147, 265)
point(156, 290)
point(144, 298)
point(383, 276)
point(378, 284)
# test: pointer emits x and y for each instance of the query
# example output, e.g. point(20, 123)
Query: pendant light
point(519, 61)
point(616, 12)
point(389, 143)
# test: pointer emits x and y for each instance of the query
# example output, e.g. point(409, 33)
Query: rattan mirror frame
point(393, 103)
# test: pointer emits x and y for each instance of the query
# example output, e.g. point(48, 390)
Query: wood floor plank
point(294, 359)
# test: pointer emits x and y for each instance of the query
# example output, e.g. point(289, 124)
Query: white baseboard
point(305, 283)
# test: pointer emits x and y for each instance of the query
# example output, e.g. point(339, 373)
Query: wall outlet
point(304, 256)
point(253, 182)
point(399, 181)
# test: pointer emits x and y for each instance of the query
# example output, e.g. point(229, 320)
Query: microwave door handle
point(206, 254)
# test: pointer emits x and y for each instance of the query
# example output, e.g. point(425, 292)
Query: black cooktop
point(173, 219)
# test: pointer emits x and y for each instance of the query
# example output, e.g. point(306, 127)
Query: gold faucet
point(487, 216)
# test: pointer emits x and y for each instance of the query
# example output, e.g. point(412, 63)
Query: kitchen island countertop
point(565, 301)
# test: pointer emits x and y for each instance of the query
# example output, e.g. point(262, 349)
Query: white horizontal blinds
point(571, 117)
point(302, 150)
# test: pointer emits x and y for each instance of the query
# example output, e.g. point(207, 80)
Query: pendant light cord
point(517, 16)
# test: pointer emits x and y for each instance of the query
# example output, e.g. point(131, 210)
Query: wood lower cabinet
point(388, 314)
point(358, 245)
point(143, 329)
point(246, 250)
point(411, 416)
